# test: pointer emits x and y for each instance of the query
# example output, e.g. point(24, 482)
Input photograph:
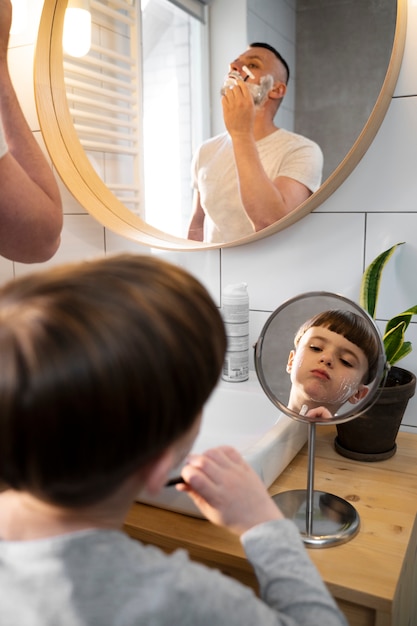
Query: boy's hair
point(280, 58)
point(354, 328)
point(104, 365)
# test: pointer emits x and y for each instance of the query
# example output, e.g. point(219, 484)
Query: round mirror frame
point(90, 191)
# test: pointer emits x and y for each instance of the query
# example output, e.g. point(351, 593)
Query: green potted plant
point(371, 436)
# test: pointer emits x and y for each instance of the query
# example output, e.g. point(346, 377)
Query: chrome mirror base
point(332, 520)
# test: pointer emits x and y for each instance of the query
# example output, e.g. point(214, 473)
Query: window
point(137, 104)
point(173, 112)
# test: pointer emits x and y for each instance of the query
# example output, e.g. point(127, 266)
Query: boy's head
point(104, 365)
point(335, 357)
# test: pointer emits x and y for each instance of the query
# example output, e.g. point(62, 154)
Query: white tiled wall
point(274, 22)
point(328, 250)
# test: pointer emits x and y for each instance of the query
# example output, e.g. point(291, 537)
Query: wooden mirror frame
point(90, 191)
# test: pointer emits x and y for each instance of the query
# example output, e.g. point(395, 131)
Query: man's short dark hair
point(277, 54)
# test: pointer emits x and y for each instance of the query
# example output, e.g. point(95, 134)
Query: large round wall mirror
point(54, 85)
point(320, 359)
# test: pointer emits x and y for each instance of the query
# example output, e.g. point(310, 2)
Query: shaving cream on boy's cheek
point(317, 389)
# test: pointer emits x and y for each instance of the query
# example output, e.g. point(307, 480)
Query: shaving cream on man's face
point(259, 92)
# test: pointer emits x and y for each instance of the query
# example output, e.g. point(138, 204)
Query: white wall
point(328, 250)
point(235, 24)
point(275, 23)
point(229, 21)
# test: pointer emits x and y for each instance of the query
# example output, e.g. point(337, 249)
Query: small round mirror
point(320, 359)
point(320, 349)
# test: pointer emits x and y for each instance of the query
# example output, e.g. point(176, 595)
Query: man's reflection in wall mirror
point(166, 89)
point(254, 173)
point(328, 98)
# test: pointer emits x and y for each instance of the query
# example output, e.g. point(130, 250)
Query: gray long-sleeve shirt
point(103, 578)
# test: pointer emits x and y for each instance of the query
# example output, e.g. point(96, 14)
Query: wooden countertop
point(371, 576)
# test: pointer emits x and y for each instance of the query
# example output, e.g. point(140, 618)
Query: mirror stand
point(323, 519)
point(287, 355)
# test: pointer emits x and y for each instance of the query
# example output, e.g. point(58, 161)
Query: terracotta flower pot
point(371, 436)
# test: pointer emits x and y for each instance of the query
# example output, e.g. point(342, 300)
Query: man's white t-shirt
point(282, 153)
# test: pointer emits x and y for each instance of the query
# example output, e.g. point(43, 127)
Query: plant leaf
point(393, 341)
point(402, 352)
point(401, 317)
point(369, 291)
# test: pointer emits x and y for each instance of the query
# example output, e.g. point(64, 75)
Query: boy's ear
point(290, 361)
point(155, 475)
point(359, 395)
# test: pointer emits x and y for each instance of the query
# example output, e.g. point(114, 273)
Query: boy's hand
point(319, 412)
point(227, 490)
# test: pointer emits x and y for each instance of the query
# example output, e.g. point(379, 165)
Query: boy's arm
point(230, 494)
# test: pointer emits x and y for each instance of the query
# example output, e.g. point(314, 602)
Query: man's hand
point(238, 110)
